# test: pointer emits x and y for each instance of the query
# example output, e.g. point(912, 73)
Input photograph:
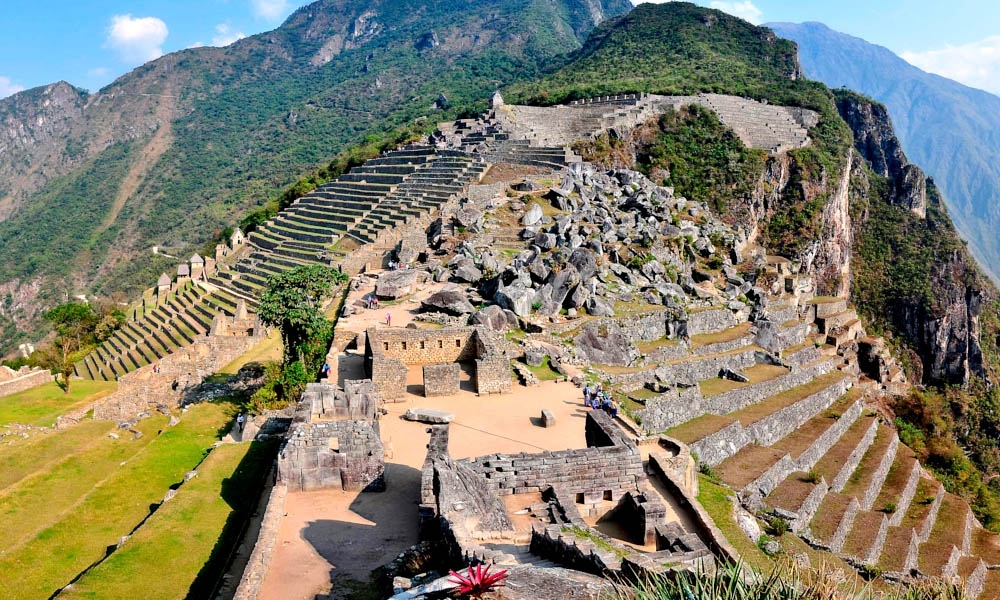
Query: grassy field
point(70, 537)
point(183, 547)
point(41, 405)
point(23, 457)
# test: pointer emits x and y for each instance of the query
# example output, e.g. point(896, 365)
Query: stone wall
point(441, 380)
point(18, 381)
point(344, 455)
point(711, 321)
point(613, 464)
point(180, 372)
point(688, 372)
point(388, 351)
point(719, 446)
point(263, 550)
point(324, 402)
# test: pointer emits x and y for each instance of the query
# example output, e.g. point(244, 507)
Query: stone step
point(900, 485)
point(867, 537)
point(833, 520)
point(950, 538)
point(840, 461)
point(922, 511)
point(900, 551)
point(763, 467)
point(866, 481)
point(797, 499)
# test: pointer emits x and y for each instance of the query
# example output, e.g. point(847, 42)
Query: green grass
point(544, 372)
point(41, 498)
point(40, 405)
point(174, 545)
point(714, 498)
point(27, 456)
point(77, 538)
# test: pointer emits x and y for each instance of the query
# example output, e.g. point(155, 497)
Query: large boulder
point(533, 216)
point(496, 318)
point(466, 270)
point(605, 343)
point(585, 262)
point(393, 285)
point(599, 307)
point(470, 218)
point(516, 298)
point(449, 300)
point(561, 284)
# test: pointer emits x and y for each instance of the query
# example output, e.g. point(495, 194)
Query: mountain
point(180, 147)
point(951, 130)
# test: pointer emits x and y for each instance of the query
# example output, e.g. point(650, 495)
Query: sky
point(91, 43)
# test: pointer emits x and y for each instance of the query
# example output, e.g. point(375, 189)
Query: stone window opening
point(423, 345)
point(335, 444)
point(440, 344)
point(458, 343)
point(404, 345)
point(385, 346)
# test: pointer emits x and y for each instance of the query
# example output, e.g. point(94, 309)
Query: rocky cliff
point(934, 306)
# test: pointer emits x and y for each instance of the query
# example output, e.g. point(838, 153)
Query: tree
point(74, 324)
point(291, 302)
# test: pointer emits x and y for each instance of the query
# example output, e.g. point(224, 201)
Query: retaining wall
point(25, 382)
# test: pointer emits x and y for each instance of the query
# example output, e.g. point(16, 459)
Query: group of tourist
point(596, 398)
point(371, 301)
point(395, 266)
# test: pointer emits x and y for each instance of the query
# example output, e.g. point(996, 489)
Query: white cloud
point(271, 10)
point(976, 64)
point(225, 36)
point(744, 10)
point(136, 39)
point(8, 87)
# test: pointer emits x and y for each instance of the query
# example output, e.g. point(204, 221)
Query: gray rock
point(533, 216)
point(496, 318)
point(561, 285)
point(585, 262)
point(548, 419)
point(534, 357)
point(428, 415)
point(449, 300)
point(731, 375)
point(546, 241)
point(169, 495)
point(397, 284)
point(466, 271)
point(468, 217)
point(606, 343)
point(516, 298)
point(599, 307)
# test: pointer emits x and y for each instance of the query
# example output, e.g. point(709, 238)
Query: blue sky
point(90, 43)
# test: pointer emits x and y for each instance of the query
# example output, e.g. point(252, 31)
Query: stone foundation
point(25, 379)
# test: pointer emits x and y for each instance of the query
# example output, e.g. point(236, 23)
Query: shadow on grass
point(241, 492)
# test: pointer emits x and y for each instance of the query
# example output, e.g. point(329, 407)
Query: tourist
point(586, 395)
point(613, 409)
point(388, 319)
point(239, 422)
point(326, 371)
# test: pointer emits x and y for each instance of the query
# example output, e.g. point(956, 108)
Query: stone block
point(441, 379)
point(428, 415)
point(548, 419)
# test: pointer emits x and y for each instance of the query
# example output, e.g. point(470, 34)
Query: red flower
point(478, 582)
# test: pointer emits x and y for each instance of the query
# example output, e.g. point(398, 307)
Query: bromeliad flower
point(478, 582)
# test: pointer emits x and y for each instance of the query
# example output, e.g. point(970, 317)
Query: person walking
point(388, 319)
point(586, 395)
point(239, 422)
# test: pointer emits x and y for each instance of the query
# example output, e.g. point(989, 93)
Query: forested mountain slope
point(181, 146)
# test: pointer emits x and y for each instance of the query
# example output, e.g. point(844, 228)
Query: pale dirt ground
point(402, 311)
point(328, 534)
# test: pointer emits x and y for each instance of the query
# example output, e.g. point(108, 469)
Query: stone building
point(389, 352)
point(334, 441)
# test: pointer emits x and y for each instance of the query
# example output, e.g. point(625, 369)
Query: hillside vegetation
point(234, 125)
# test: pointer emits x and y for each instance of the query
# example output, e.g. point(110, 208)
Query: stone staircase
point(172, 324)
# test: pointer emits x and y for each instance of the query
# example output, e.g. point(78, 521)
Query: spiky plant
point(478, 581)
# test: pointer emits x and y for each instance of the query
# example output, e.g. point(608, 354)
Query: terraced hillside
point(382, 194)
point(802, 444)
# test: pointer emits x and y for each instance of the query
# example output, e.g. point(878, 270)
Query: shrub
point(812, 476)
point(889, 508)
point(777, 526)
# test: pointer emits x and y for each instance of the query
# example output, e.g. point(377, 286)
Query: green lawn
point(41, 405)
point(27, 456)
point(80, 536)
point(544, 372)
point(177, 547)
point(36, 501)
